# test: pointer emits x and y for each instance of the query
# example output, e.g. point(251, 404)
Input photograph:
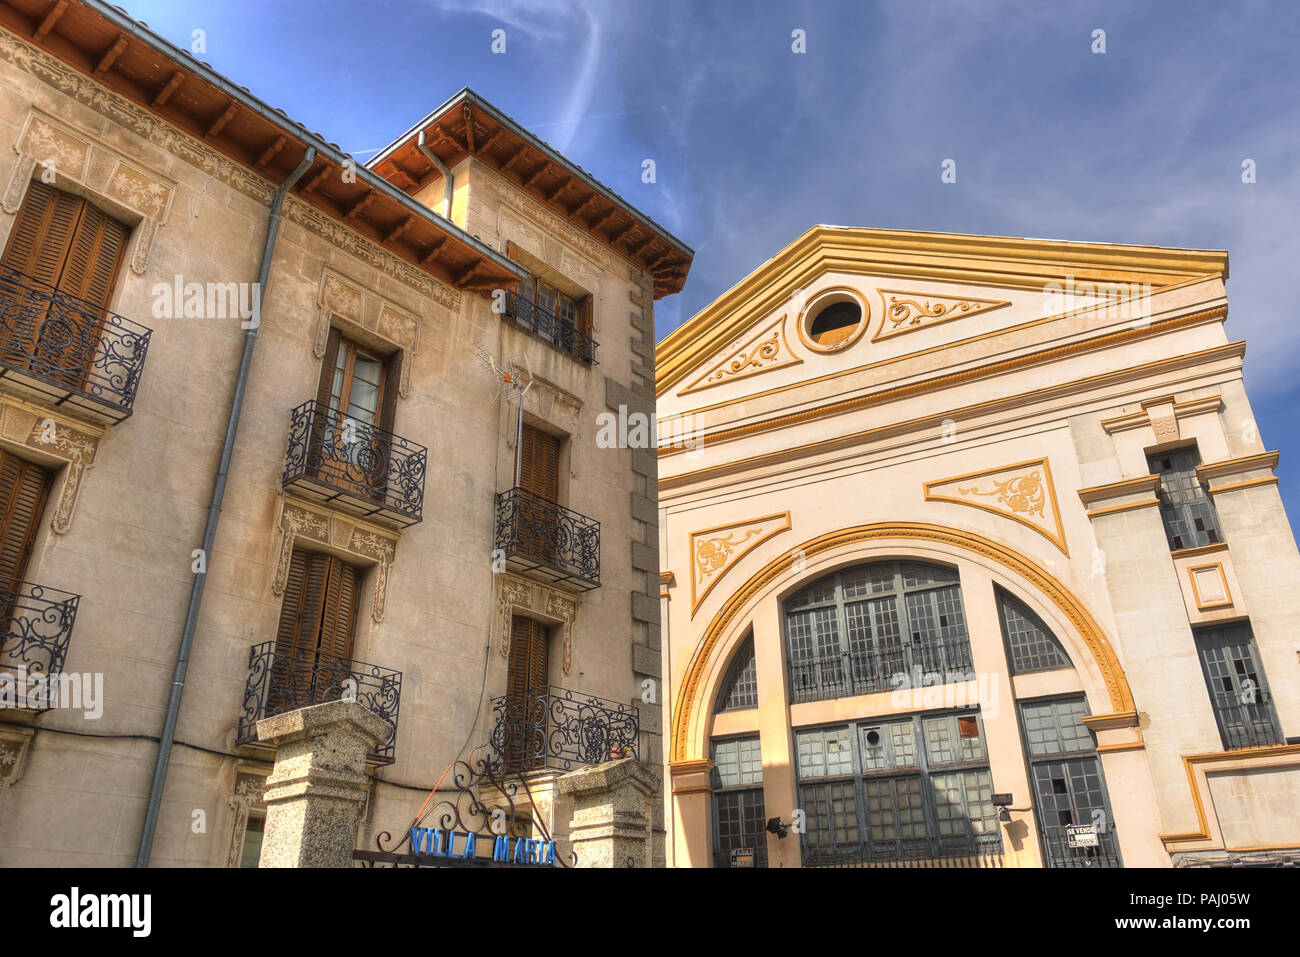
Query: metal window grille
point(855, 631)
point(1189, 516)
point(861, 808)
point(1069, 788)
point(1243, 707)
point(1033, 647)
point(740, 690)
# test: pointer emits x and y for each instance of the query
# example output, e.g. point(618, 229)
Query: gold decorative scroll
point(908, 311)
point(1023, 492)
point(763, 352)
point(714, 551)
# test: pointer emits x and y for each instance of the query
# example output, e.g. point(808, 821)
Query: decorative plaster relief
point(250, 785)
point(360, 541)
point(348, 301)
point(1023, 492)
point(52, 436)
point(715, 551)
point(908, 311)
point(767, 350)
point(46, 144)
point(514, 593)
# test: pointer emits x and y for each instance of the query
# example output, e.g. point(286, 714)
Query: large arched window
point(855, 631)
point(1031, 645)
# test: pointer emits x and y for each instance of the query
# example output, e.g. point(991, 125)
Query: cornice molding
point(988, 370)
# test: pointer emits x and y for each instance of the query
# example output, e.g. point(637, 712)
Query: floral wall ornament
point(1023, 492)
point(908, 311)
point(715, 551)
point(762, 352)
point(368, 544)
point(54, 436)
point(516, 594)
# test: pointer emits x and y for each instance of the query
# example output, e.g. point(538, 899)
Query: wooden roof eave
point(269, 144)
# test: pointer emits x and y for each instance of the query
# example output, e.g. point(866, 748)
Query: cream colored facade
point(433, 606)
point(992, 414)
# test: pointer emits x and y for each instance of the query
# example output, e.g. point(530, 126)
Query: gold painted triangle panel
point(715, 551)
point(903, 311)
point(1023, 492)
point(763, 352)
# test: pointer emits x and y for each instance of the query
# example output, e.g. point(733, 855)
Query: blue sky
point(754, 143)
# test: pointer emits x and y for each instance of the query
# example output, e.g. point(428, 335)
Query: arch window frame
point(856, 643)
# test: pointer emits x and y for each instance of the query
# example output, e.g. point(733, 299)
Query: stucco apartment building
point(259, 416)
point(973, 555)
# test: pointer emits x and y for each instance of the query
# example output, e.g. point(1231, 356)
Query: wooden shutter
point(64, 241)
point(528, 673)
point(331, 360)
point(539, 464)
point(42, 233)
point(339, 610)
point(388, 395)
point(94, 257)
point(23, 489)
point(287, 635)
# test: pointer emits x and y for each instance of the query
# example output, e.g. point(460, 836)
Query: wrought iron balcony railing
point(68, 351)
point(337, 459)
point(548, 541)
point(35, 629)
point(1246, 720)
point(543, 324)
point(562, 729)
point(281, 680)
point(843, 673)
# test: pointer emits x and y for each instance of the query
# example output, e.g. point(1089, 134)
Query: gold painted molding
point(1127, 507)
point(840, 294)
point(1025, 494)
point(714, 554)
point(919, 310)
point(1231, 350)
point(1201, 604)
point(894, 393)
point(1199, 550)
point(1112, 672)
point(1190, 761)
point(1129, 486)
point(1109, 722)
point(1005, 262)
point(766, 351)
point(1249, 483)
point(1246, 463)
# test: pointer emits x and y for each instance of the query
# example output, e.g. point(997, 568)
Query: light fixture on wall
point(1003, 801)
point(774, 826)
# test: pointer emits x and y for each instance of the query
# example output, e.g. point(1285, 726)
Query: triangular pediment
point(917, 293)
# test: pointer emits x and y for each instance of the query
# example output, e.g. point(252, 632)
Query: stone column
point(317, 787)
point(610, 827)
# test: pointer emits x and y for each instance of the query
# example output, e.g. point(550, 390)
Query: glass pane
point(251, 852)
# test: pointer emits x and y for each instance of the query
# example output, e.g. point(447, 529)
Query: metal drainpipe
point(447, 179)
point(210, 532)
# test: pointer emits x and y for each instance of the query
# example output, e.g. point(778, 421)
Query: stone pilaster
point(315, 791)
point(612, 813)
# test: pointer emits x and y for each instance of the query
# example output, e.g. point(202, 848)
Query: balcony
point(280, 681)
point(562, 729)
point(958, 850)
point(36, 629)
point(68, 353)
point(545, 325)
point(335, 460)
point(547, 541)
point(842, 674)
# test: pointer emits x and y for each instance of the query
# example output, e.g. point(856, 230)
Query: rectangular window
point(739, 824)
point(1069, 790)
point(254, 829)
point(1189, 516)
point(1238, 689)
point(891, 801)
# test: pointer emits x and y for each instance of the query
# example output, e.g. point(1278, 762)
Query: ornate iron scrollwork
point(546, 534)
point(70, 343)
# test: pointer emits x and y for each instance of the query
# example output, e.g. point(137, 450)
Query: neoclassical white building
point(972, 554)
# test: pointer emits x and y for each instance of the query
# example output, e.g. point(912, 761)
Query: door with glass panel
point(739, 822)
point(1238, 690)
point(351, 438)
